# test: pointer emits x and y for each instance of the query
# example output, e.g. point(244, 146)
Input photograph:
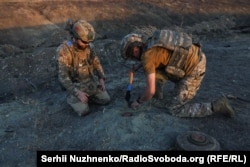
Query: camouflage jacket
point(77, 67)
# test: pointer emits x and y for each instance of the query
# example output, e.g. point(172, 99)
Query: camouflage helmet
point(83, 30)
point(128, 41)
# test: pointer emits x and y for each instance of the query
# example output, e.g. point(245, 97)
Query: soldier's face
point(136, 52)
point(82, 44)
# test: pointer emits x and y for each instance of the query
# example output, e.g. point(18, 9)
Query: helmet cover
point(83, 30)
point(128, 41)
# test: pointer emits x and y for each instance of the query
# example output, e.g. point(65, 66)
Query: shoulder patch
point(69, 43)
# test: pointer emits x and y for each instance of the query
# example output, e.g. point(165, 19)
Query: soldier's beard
point(81, 47)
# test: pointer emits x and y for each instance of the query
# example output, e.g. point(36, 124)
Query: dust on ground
point(33, 112)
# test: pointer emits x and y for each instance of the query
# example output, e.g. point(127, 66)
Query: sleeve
point(64, 62)
point(148, 62)
point(98, 67)
point(97, 64)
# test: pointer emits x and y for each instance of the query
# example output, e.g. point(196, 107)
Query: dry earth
point(33, 112)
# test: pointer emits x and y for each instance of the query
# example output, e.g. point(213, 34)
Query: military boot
point(222, 106)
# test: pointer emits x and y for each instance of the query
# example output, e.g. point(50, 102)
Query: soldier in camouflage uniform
point(80, 70)
point(191, 69)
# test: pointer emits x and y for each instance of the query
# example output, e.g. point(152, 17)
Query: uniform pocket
point(89, 87)
point(83, 72)
point(174, 73)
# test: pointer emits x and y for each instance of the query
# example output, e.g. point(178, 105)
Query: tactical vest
point(177, 42)
point(85, 79)
point(170, 39)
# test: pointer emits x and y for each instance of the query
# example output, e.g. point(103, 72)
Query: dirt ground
point(33, 110)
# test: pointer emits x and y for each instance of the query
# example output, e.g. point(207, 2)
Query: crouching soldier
point(79, 69)
point(169, 55)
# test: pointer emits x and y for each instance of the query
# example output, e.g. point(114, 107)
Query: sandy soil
point(33, 112)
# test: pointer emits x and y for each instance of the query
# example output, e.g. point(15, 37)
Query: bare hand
point(82, 96)
point(135, 105)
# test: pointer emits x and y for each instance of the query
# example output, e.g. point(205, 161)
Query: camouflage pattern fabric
point(127, 40)
point(80, 108)
point(170, 39)
point(73, 70)
point(76, 69)
point(83, 30)
point(185, 90)
point(101, 97)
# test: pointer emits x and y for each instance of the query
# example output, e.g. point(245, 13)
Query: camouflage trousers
point(184, 91)
point(101, 97)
